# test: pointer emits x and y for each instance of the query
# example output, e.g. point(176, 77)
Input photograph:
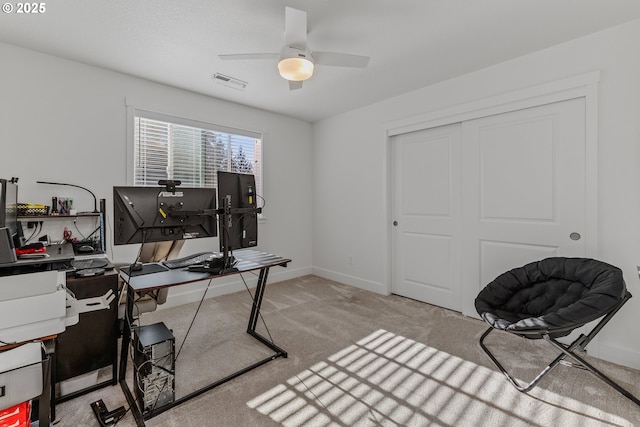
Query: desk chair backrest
point(157, 252)
point(153, 252)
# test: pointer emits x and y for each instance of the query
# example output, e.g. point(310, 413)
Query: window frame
point(133, 112)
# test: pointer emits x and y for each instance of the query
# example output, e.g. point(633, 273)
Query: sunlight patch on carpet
point(388, 380)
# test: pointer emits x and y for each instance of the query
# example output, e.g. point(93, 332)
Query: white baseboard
point(619, 355)
point(358, 282)
point(179, 295)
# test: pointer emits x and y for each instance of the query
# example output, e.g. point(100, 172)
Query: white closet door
point(426, 209)
point(475, 199)
point(523, 192)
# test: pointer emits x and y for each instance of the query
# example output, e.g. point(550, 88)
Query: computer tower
point(154, 366)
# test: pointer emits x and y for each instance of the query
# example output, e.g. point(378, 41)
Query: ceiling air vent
point(229, 81)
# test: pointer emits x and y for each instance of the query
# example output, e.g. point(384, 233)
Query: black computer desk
point(247, 260)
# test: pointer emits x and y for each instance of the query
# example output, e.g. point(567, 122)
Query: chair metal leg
point(592, 369)
point(520, 387)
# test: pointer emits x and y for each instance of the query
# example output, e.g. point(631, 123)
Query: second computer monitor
point(239, 225)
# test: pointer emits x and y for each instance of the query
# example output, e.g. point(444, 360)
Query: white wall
point(350, 171)
point(66, 122)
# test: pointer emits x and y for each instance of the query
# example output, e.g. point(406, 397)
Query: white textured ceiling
point(412, 43)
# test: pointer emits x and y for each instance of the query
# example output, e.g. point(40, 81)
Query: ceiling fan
point(295, 60)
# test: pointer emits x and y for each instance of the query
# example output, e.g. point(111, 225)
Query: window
point(192, 152)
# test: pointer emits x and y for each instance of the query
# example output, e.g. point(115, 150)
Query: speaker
point(7, 251)
point(19, 240)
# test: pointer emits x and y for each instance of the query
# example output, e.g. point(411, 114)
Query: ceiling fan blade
point(235, 56)
point(340, 59)
point(295, 27)
point(295, 85)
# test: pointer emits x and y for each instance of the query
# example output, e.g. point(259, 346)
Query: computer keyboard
point(188, 260)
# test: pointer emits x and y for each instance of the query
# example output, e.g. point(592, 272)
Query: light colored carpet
point(389, 380)
point(361, 359)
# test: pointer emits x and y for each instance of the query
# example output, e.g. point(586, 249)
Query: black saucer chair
point(547, 300)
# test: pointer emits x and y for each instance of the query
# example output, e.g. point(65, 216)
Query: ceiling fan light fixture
point(295, 64)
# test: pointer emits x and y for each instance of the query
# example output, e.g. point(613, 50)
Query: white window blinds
point(191, 152)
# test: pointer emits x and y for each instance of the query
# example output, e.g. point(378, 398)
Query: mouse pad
point(146, 269)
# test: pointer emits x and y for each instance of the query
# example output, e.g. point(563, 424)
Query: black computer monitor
point(9, 206)
point(158, 214)
point(238, 220)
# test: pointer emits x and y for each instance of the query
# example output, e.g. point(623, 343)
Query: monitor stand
point(222, 265)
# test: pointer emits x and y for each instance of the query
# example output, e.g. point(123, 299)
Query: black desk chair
point(547, 300)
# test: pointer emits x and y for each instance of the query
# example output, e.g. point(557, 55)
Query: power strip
point(104, 416)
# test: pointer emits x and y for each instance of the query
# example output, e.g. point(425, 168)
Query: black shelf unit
point(92, 343)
